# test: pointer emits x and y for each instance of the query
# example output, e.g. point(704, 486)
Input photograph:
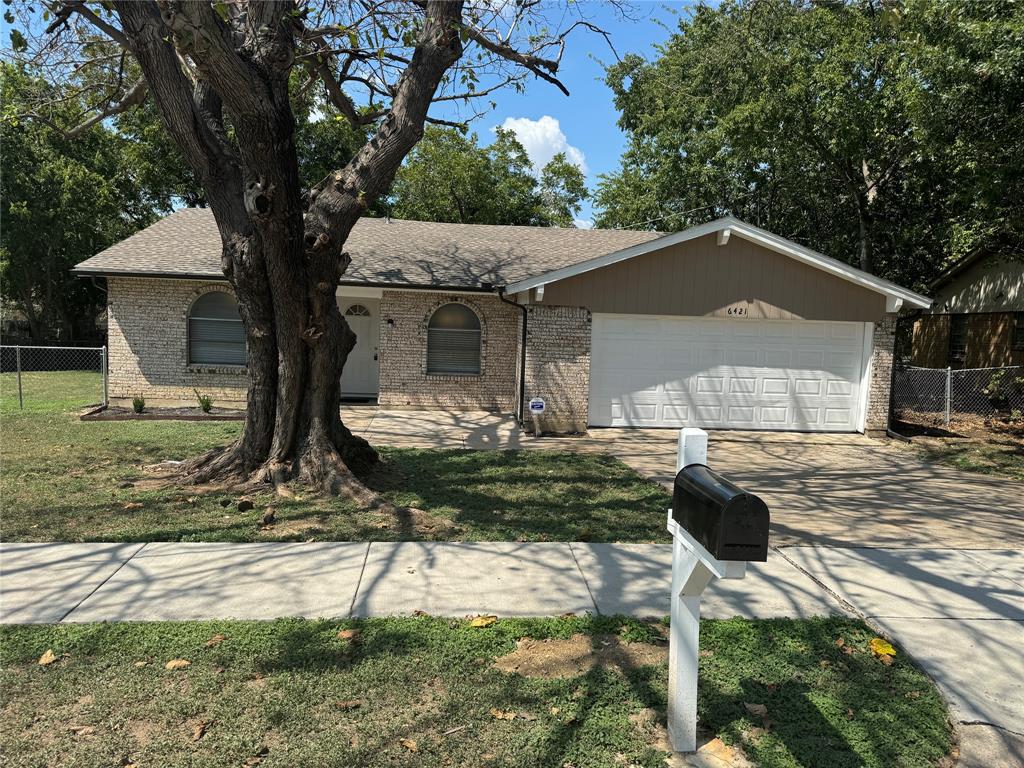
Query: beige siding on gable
point(701, 278)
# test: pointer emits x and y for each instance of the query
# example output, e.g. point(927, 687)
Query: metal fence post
point(103, 370)
point(949, 376)
point(17, 357)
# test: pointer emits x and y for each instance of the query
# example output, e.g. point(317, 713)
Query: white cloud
point(543, 139)
point(583, 223)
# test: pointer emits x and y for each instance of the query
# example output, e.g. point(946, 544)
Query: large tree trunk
point(283, 262)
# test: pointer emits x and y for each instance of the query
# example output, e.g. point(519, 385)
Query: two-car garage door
point(653, 371)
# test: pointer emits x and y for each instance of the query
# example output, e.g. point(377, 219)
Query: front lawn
point(988, 446)
point(431, 692)
point(67, 480)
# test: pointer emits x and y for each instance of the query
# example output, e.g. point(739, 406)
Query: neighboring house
point(724, 325)
point(977, 318)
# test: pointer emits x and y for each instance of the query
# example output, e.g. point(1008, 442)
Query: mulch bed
point(161, 414)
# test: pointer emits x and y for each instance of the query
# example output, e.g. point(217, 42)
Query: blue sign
point(537, 405)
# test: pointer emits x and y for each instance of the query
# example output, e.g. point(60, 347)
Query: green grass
point(68, 480)
point(999, 455)
point(49, 391)
point(271, 690)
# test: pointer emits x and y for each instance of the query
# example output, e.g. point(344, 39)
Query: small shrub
point(138, 403)
point(205, 401)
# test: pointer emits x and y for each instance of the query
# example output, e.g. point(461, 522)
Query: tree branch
point(541, 67)
point(135, 96)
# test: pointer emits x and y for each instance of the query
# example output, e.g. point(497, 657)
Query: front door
point(361, 375)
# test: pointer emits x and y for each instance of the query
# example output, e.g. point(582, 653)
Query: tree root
point(222, 465)
point(332, 469)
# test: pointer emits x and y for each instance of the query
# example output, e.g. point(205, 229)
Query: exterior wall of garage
point(558, 366)
point(700, 278)
point(876, 420)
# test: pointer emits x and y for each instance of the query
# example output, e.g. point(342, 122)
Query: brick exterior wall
point(883, 338)
point(558, 366)
point(404, 381)
point(147, 330)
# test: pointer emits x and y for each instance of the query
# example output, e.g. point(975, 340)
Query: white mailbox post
point(693, 567)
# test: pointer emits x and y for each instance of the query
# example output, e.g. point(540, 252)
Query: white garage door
point(650, 371)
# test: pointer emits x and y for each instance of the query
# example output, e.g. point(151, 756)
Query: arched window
point(357, 310)
point(215, 334)
point(453, 341)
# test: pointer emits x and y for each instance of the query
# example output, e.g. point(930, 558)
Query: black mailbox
point(731, 523)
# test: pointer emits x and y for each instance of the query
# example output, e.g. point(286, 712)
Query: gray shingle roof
point(395, 252)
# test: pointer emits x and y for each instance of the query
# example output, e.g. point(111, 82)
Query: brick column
point(883, 341)
point(558, 366)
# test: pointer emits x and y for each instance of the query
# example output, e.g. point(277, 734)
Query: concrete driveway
point(837, 490)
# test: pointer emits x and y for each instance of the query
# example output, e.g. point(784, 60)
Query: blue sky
point(584, 123)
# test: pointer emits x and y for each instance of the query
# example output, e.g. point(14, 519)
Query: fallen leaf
point(409, 744)
point(257, 758)
point(82, 730)
point(47, 658)
point(350, 704)
point(498, 714)
point(840, 642)
point(132, 505)
point(886, 659)
point(555, 710)
point(912, 695)
point(487, 756)
point(349, 634)
point(758, 710)
point(199, 729)
point(824, 663)
point(483, 621)
point(418, 612)
point(174, 664)
point(881, 647)
point(849, 714)
point(215, 641)
point(141, 664)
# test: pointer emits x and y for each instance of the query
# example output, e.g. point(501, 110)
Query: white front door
point(654, 371)
point(361, 374)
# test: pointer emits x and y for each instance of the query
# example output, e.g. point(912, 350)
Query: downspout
point(522, 357)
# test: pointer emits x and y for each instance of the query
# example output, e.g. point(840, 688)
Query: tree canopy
point(886, 134)
point(449, 177)
point(61, 200)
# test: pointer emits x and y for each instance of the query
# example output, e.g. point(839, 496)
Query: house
point(723, 325)
point(977, 319)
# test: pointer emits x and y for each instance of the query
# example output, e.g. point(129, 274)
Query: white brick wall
point(884, 340)
point(404, 381)
point(147, 326)
point(558, 366)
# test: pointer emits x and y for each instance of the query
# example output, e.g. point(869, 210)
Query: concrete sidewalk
point(959, 613)
point(170, 581)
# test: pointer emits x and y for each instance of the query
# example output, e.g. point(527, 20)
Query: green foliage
point(449, 177)
point(888, 137)
point(61, 200)
point(205, 401)
point(138, 404)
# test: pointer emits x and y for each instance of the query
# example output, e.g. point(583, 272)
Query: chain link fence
point(52, 378)
point(930, 396)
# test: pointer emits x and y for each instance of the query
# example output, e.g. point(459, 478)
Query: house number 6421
point(736, 311)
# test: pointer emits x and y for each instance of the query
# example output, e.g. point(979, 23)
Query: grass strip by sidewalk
point(425, 692)
point(68, 480)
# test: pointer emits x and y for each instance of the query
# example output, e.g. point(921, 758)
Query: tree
point(81, 192)
point(220, 74)
point(449, 177)
point(849, 126)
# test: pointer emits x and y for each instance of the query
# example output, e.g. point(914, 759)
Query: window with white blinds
point(215, 334)
point(453, 341)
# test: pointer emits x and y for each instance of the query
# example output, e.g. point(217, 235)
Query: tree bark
point(283, 262)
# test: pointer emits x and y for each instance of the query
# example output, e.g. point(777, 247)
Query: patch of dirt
point(556, 658)
point(143, 732)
